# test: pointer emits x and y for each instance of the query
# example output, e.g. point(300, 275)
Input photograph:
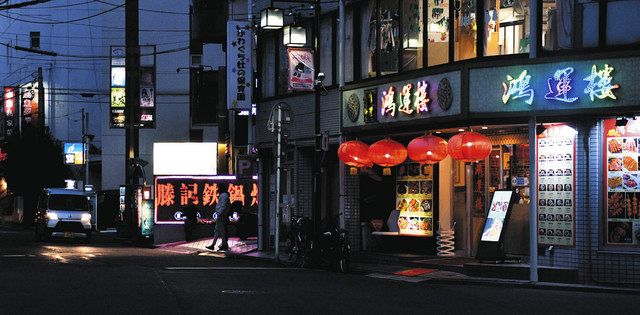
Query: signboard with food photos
point(622, 208)
point(414, 199)
point(556, 186)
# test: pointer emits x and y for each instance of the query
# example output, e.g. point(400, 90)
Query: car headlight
point(52, 216)
point(86, 217)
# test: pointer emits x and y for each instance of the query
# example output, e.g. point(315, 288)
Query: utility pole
point(40, 122)
point(84, 149)
point(317, 161)
point(132, 99)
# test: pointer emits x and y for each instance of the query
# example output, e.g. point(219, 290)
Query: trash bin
point(365, 230)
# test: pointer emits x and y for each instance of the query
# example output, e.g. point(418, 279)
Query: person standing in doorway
point(222, 211)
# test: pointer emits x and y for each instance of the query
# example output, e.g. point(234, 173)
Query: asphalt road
point(67, 276)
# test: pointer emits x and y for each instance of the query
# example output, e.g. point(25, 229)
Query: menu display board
point(414, 199)
point(622, 209)
point(556, 186)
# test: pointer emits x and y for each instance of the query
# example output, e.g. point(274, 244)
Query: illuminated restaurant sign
point(587, 84)
point(118, 81)
point(147, 108)
point(9, 109)
point(424, 97)
point(174, 193)
point(30, 106)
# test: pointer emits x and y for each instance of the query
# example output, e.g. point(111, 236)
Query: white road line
point(397, 277)
point(229, 268)
point(9, 256)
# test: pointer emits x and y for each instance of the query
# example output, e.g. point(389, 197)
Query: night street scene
point(320, 157)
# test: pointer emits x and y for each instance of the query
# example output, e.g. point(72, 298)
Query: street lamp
point(294, 36)
point(271, 18)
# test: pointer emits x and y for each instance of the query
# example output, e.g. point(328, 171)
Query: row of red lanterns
point(467, 146)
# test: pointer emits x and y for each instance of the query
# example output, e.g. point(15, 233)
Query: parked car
point(63, 212)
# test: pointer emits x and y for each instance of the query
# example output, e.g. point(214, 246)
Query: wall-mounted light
point(271, 19)
point(294, 36)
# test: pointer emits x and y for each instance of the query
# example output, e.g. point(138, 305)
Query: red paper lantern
point(428, 149)
point(354, 153)
point(387, 153)
point(469, 146)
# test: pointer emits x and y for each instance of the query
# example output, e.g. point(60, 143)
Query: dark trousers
point(220, 231)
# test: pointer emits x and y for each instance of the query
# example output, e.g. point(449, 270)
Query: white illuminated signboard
point(185, 158)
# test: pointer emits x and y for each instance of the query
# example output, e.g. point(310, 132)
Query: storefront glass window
point(623, 15)
point(438, 32)
point(389, 22)
point(568, 24)
point(412, 34)
point(367, 40)
point(465, 28)
point(506, 27)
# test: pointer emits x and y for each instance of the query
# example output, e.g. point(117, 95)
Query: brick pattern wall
point(595, 265)
point(304, 182)
point(352, 209)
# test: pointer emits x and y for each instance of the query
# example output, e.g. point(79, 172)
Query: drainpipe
point(341, 169)
point(533, 193)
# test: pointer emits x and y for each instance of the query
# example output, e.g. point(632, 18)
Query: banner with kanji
point(301, 71)
point(174, 193)
point(239, 70)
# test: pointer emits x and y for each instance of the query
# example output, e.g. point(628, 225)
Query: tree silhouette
point(34, 161)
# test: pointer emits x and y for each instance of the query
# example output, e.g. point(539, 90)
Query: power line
point(82, 57)
point(22, 4)
point(63, 22)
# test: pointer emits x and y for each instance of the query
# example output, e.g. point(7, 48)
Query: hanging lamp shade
point(294, 36)
point(354, 153)
point(469, 146)
point(387, 153)
point(427, 149)
point(271, 18)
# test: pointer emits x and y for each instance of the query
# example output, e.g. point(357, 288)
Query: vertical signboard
point(73, 153)
point(29, 102)
point(301, 72)
point(556, 186)
point(491, 242)
point(622, 206)
point(118, 81)
point(239, 70)
point(9, 109)
point(147, 97)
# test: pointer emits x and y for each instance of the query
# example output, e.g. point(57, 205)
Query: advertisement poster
point(29, 101)
point(9, 109)
point(117, 83)
point(174, 193)
point(438, 19)
point(301, 72)
point(239, 70)
point(622, 208)
point(147, 97)
point(414, 199)
point(497, 213)
point(73, 153)
point(556, 186)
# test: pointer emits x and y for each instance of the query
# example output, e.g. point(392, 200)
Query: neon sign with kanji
point(388, 102)
point(560, 85)
point(600, 83)
point(413, 99)
point(517, 88)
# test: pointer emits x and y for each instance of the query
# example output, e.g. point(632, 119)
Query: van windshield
point(68, 202)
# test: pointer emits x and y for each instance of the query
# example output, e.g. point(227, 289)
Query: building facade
point(536, 78)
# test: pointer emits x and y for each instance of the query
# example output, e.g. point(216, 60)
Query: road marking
point(241, 292)
point(397, 278)
point(14, 255)
point(229, 268)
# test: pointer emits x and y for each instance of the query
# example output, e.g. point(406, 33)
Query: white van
point(63, 212)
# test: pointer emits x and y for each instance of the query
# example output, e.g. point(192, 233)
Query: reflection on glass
point(367, 40)
point(438, 32)
point(465, 28)
point(412, 37)
point(506, 27)
point(389, 19)
point(557, 24)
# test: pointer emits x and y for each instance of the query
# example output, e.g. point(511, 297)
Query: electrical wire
point(83, 57)
point(64, 22)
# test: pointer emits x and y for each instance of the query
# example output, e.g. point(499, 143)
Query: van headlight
point(86, 217)
point(52, 216)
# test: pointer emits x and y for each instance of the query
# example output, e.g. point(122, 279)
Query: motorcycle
point(298, 240)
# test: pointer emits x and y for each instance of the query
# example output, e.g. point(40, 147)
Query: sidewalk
point(399, 272)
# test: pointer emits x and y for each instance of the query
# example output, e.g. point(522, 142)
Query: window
point(35, 40)
point(438, 32)
point(283, 65)
point(465, 27)
point(506, 27)
point(622, 15)
point(412, 34)
point(348, 45)
point(326, 50)
point(389, 25)
point(268, 65)
point(573, 24)
point(367, 40)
